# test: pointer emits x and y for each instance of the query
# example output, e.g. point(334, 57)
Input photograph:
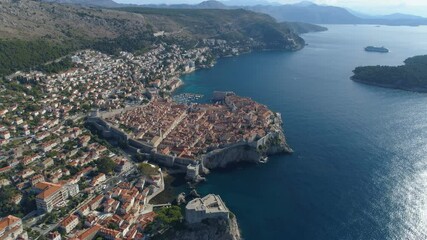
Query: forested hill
point(412, 76)
point(33, 32)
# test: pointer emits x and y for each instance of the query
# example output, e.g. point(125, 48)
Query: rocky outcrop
point(273, 143)
point(218, 229)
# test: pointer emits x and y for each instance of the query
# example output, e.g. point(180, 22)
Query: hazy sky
point(418, 7)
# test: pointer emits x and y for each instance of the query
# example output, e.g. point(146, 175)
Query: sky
point(375, 7)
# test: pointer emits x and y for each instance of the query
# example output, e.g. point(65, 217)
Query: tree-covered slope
point(411, 76)
point(236, 24)
point(33, 32)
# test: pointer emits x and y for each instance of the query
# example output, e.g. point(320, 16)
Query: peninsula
point(411, 77)
point(196, 136)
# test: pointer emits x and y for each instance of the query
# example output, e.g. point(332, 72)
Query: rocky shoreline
point(248, 152)
point(391, 86)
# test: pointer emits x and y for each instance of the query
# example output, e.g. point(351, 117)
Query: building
point(72, 189)
point(4, 182)
point(89, 233)
point(98, 179)
point(47, 163)
point(210, 206)
point(54, 236)
point(51, 196)
point(17, 199)
point(84, 210)
point(69, 223)
point(192, 171)
point(96, 202)
point(11, 228)
point(36, 179)
point(109, 234)
point(5, 135)
point(123, 166)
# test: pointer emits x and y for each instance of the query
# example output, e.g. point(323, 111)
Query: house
point(84, 210)
point(5, 169)
point(36, 179)
point(4, 182)
point(3, 112)
point(90, 233)
point(109, 234)
point(5, 135)
point(17, 199)
point(84, 140)
point(98, 179)
point(48, 146)
point(26, 173)
point(96, 202)
point(47, 163)
point(69, 223)
point(123, 166)
point(11, 228)
point(54, 236)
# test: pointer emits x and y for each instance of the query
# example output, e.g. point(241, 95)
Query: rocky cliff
point(218, 229)
point(274, 143)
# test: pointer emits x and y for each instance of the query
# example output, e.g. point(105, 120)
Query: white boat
point(263, 159)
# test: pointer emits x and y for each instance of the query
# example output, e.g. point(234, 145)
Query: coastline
point(390, 86)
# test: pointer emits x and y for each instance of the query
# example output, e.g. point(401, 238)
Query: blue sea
point(359, 170)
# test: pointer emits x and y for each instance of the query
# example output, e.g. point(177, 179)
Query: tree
point(6, 206)
point(106, 165)
point(113, 226)
point(169, 215)
point(165, 218)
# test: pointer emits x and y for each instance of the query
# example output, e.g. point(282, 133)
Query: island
point(411, 77)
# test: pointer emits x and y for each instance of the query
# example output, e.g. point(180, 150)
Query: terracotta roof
point(96, 199)
point(7, 221)
point(89, 232)
point(68, 220)
point(48, 189)
point(110, 232)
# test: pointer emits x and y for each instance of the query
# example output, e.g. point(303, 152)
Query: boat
point(263, 159)
point(377, 49)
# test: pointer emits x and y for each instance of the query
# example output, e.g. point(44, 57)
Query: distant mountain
point(93, 3)
point(320, 14)
point(305, 11)
point(247, 2)
point(210, 4)
point(399, 16)
point(304, 4)
point(308, 12)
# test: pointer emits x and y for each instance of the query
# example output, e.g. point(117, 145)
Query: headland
point(196, 137)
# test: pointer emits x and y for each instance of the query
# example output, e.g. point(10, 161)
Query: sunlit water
point(359, 170)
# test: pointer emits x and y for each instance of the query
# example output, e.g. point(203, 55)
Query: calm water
point(359, 170)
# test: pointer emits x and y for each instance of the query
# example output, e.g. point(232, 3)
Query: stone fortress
point(210, 206)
